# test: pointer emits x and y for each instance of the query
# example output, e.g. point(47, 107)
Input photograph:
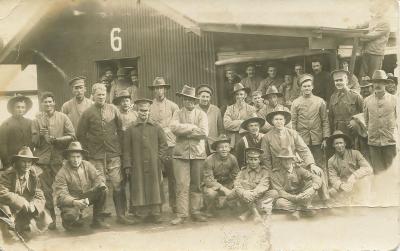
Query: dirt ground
point(344, 229)
point(368, 228)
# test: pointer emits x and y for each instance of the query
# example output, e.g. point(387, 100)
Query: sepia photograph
point(187, 125)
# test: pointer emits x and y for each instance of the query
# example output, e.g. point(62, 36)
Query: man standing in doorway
point(323, 87)
point(252, 81)
point(128, 115)
point(272, 79)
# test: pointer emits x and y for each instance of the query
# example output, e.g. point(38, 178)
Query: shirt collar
point(23, 177)
point(256, 170)
point(140, 122)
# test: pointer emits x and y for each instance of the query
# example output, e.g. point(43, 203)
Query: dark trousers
point(70, 214)
point(318, 155)
point(369, 64)
point(381, 157)
point(46, 180)
point(169, 171)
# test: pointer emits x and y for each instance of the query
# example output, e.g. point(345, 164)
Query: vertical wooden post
point(333, 60)
point(356, 41)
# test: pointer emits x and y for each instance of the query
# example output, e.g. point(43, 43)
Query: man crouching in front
point(78, 185)
point(21, 199)
point(295, 185)
point(251, 186)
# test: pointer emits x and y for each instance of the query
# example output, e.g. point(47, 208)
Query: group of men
point(267, 150)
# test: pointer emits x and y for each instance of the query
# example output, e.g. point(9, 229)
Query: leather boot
point(99, 224)
point(119, 203)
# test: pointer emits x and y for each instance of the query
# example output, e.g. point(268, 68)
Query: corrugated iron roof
point(328, 15)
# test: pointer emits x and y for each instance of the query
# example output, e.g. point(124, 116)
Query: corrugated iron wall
point(163, 47)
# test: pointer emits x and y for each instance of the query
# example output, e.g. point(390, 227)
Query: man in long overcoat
point(145, 146)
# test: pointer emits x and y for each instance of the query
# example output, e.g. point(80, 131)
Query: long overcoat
point(145, 146)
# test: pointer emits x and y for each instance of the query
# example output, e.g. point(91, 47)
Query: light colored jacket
point(189, 144)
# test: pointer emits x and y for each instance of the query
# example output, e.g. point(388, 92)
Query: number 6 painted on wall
point(115, 40)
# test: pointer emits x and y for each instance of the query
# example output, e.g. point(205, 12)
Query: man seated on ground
point(295, 185)
point(349, 172)
point(78, 184)
point(220, 170)
point(252, 186)
point(250, 139)
point(21, 197)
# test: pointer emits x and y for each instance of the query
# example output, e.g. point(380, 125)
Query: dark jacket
point(145, 146)
point(33, 192)
point(14, 134)
point(100, 131)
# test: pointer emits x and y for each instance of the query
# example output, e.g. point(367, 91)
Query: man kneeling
point(21, 197)
point(78, 185)
point(295, 185)
point(252, 184)
point(349, 172)
point(220, 170)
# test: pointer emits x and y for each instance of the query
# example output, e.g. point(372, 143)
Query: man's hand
point(248, 196)
point(103, 187)
point(306, 194)
point(351, 179)
point(81, 204)
point(347, 187)
point(196, 131)
point(315, 169)
point(26, 207)
point(350, 126)
point(323, 144)
point(225, 190)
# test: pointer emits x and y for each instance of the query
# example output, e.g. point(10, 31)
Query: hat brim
point(265, 96)
point(156, 86)
point(342, 71)
point(270, 116)
point(16, 99)
point(245, 123)
point(216, 143)
point(143, 100)
point(117, 100)
point(286, 157)
point(258, 150)
point(246, 89)
point(34, 159)
point(381, 81)
point(346, 138)
point(82, 151)
point(367, 85)
point(186, 96)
